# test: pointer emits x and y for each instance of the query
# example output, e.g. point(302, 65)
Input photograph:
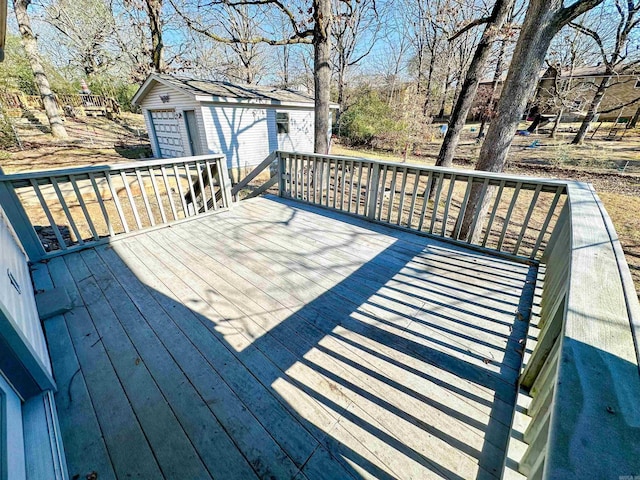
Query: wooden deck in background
point(278, 340)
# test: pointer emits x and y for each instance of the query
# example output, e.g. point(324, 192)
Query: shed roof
point(225, 92)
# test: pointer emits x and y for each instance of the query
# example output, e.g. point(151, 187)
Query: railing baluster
point(314, 178)
point(447, 204)
point(493, 213)
point(65, 208)
point(180, 190)
point(296, 181)
point(172, 204)
point(203, 192)
point(308, 175)
point(507, 217)
point(436, 202)
point(134, 208)
point(392, 193)
point(320, 165)
point(527, 217)
point(343, 176)
point(328, 180)
point(463, 208)
point(83, 206)
point(100, 200)
point(414, 196)
point(547, 221)
point(383, 190)
point(47, 212)
point(156, 192)
point(425, 200)
point(402, 194)
point(116, 201)
point(350, 199)
point(369, 186)
point(359, 189)
point(212, 190)
point(194, 201)
point(145, 199)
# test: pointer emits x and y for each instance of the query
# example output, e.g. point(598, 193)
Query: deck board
point(278, 340)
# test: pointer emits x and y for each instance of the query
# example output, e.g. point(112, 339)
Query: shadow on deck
point(279, 340)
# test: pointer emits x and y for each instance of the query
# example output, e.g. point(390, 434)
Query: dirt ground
point(92, 140)
point(612, 166)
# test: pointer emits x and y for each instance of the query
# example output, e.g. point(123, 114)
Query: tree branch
point(297, 38)
point(573, 11)
point(469, 26)
point(617, 107)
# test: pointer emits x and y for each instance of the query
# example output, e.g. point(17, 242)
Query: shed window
point(637, 83)
point(282, 122)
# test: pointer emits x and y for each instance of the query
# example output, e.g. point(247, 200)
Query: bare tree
point(617, 56)
point(543, 20)
point(86, 30)
point(469, 88)
point(42, 82)
point(319, 34)
point(356, 24)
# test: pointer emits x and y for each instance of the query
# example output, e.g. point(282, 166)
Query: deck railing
point(522, 213)
point(582, 372)
point(61, 210)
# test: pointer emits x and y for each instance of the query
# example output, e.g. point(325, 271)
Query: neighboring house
point(620, 101)
point(244, 122)
point(577, 88)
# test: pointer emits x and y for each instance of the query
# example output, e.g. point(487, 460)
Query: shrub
point(369, 119)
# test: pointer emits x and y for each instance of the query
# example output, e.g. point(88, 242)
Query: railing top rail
point(598, 378)
point(117, 167)
point(459, 173)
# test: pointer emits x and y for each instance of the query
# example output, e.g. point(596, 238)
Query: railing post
point(373, 191)
point(19, 220)
point(281, 172)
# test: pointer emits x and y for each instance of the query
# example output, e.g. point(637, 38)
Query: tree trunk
point(322, 73)
point(427, 99)
point(42, 82)
point(634, 120)
point(554, 130)
point(470, 85)
point(543, 20)
point(445, 92)
point(593, 109)
point(154, 10)
point(488, 107)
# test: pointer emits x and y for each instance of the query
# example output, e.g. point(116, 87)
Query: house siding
point(247, 134)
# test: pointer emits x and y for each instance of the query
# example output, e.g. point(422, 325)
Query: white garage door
point(167, 130)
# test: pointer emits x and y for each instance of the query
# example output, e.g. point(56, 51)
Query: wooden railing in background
point(61, 210)
point(522, 212)
point(86, 103)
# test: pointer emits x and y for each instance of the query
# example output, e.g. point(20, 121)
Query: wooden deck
point(279, 340)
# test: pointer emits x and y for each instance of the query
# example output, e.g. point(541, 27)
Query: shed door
point(167, 133)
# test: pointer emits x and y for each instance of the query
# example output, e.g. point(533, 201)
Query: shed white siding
point(178, 101)
point(247, 134)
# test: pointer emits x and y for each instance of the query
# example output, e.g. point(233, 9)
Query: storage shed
point(244, 122)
